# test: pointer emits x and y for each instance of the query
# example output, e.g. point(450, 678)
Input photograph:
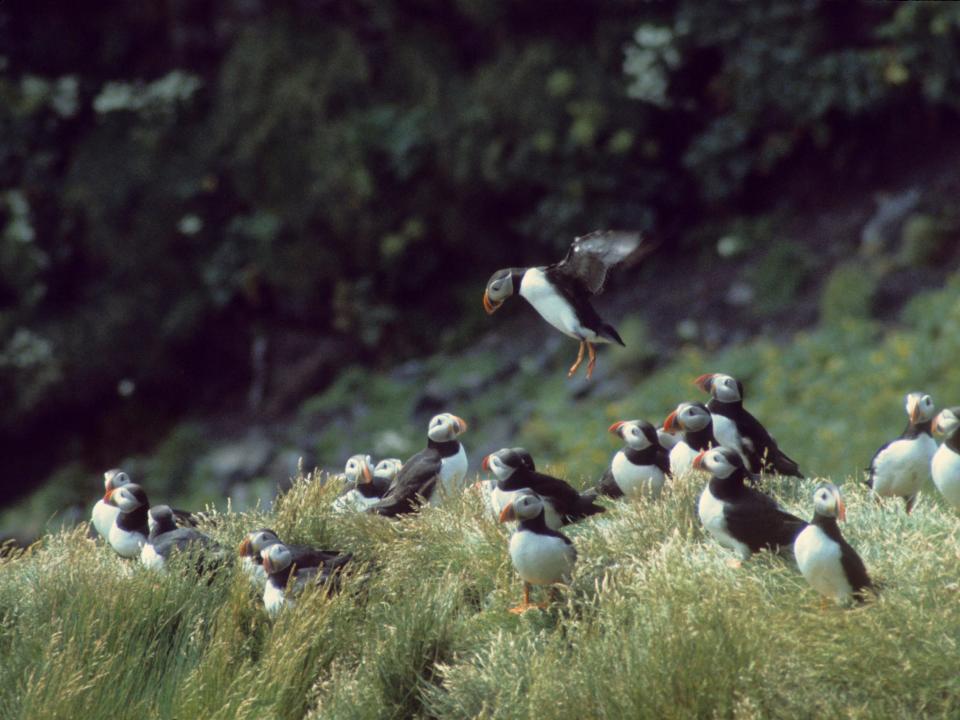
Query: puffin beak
point(267, 565)
point(463, 427)
point(841, 510)
point(698, 460)
point(670, 424)
point(367, 475)
point(245, 550)
point(106, 496)
point(486, 463)
point(938, 424)
point(704, 382)
point(508, 514)
point(488, 305)
point(914, 412)
point(615, 428)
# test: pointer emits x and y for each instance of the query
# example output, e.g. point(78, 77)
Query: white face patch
point(716, 462)
point(693, 418)
point(725, 388)
point(634, 436)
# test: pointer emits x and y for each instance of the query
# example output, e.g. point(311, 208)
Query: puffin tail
point(610, 333)
point(784, 465)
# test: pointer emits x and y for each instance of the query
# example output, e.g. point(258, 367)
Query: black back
point(853, 566)
point(762, 450)
point(417, 477)
point(568, 502)
point(911, 432)
point(752, 517)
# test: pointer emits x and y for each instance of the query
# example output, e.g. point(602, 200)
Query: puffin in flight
point(166, 538)
point(737, 516)
point(561, 292)
point(436, 470)
point(736, 428)
point(541, 555)
point(286, 578)
point(696, 424)
point(900, 467)
point(826, 560)
point(641, 467)
point(945, 467)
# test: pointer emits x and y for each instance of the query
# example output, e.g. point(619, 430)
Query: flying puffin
point(736, 428)
point(641, 467)
point(561, 292)
point(696, 423)
point(739, 517)
point(436, 470)
point(364, 488)
point(496, 499)
point(285, 578)
point(256, 541)
point(900, 467)
point(166, 537)
point(826, 560)
point(562, 503)
point(104, 513)
point(541, 555)
point(945, 466)
point(129, 530)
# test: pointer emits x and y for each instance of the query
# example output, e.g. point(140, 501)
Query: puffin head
point(524, 507)
point(637, 434)
point(358, 469)
point(388, 468)
point(827, 501)
point(499, 288)
point(720, 462)
point(275, 558)
point(947, 421)
point(112, 479)
point(129, 497)
point(160, 519)
point(919, 407)
point(504, 462)
point(445, 427)
point(256, 541)
point(692, 416)
point(724, 388)
point(525, 457)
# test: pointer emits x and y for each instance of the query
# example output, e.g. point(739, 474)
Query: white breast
point(150, 558)
point(126, 544)
point(255, 571)
point(274, 599)
point(636, 480)
point(103, 517)
point(710, 510)
point(353, 501)
point(945, 469)
point(681, 458)
point(819, 560)
point(901, 468)
point(541, 559)
point(726, 433)
point(453, 470)
point(553, 307)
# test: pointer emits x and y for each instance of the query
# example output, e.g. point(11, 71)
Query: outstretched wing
point(591, 256)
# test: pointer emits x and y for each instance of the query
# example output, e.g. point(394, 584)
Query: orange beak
point(488, 305)
point(937, 424)
point(462, 423)
point(841, 511)
point(367, 475)
point(245, 550)
point(698, 460)
point(914, 412)
point(704, 381)
point(615, 428)
point(106, 496)
point(670, 424)
point(508, 514)
point(486, 463)
point(267, 565)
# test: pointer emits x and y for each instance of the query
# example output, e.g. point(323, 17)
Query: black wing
point(418, 476)
point(854, 569)
point(756, 520)
point(569, 504)
point(608, 485)
point(306, 556)
point(662, 460)
point(766, 448)
point(180, 539)
point(872, 469)
point(591, 256)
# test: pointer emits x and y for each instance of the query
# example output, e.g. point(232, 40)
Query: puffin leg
point(576, 365)
point(593, 360)
point(910, 501)
point(526, 604)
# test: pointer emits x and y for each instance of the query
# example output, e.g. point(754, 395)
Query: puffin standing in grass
point(826, 560)
point(738, 429)
point(104, 513)
point(563, 503)
point(695, 422)
point(436, 470)
point(540, 554)
point(497, 499)
point(364, 488)
point(739, 517)
point(900, 467)
point(285, 578)
point(945, 467)
point(561, 292)
point(165, 538)
point(256, 541)
point(129, 530)
point(641, 467)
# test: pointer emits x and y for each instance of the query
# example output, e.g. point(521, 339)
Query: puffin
point(695, 422)
point(945, 467)
point(363, 487)
point(496, 499)
point(641, 467)
point(436, 470)
point(561, 292)
point(736, 428)
point(103, 512)
point(563, 503)
point(166, 537)
point(826, 560)
point(285, 578)
point(386, 470)
point(256, 541)
point(740, 517)
point(129, 530)
point(540, 554)
point(900, 467)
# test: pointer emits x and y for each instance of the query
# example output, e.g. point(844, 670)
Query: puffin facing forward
point(641, 467)
point(561, 292)
point(827, 561)
point(945, 467)
point(104, 513)
point(900, 467)
point(696, 423)
point(364, 488)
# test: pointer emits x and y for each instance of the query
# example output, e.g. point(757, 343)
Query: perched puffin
point(497, 499)
point(103, 512)
point(696, 423)
point(129, 531)
point(641, 467)
point(386, 470)
point(436, 470)
point(165, 538)
point(900, 467)
point(541, 555)
point(738, 429)
point(256, 541)
point(286, 578)
point(561, 292)
point(563, 504)
point(826, 560)
point(363, 487)
point(739, 517)
point(945, 467)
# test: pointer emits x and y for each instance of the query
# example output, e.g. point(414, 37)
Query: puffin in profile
point(826, 560)
point(563, 503)
point(256, 541)
point(166, 538)
point(129, 530)
point(496, 499)
point(363, 488)
point(900, 467)
point(737, 516)
point(695, 422)
point(105, 513)
point(561, 292)
point(738, 429)
point(540, 554)
point(286, 579)
point(386, 470)
point(436, 470)
point(641, 467)
point(945, 467)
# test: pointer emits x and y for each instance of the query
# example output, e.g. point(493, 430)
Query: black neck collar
point(134, 521)
point(918, 429)
point(727, 409)
point(730, 487)
point(952, 441)
point(647, 456)
point(447, 448)
point(700, 439)
point(828, 524)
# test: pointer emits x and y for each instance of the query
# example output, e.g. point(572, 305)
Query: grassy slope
point(654, 625)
